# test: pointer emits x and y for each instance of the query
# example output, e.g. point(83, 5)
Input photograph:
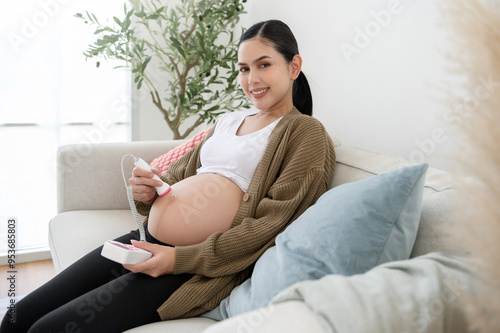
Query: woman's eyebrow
point(256, 60)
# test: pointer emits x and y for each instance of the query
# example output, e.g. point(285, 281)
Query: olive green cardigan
point(294, 172)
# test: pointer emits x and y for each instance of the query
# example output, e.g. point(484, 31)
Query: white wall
point(375, 68)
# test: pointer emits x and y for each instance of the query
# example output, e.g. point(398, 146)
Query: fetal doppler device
point(126, 253)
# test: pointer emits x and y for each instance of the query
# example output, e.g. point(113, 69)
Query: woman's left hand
point(161, 263)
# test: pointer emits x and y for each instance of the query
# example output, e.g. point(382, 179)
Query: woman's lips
point(258, 93)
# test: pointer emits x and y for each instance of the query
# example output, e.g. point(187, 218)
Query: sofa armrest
point(89, 176)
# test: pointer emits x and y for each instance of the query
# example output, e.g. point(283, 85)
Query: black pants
point(94, 295)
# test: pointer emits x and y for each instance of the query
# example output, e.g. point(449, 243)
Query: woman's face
point(265, 76)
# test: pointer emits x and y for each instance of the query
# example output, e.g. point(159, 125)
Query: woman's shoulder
point(304, 122)
point(306, 130)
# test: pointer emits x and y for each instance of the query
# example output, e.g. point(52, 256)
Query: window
point(51, 96)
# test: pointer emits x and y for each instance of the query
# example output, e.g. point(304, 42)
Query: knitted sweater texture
point(294, 172)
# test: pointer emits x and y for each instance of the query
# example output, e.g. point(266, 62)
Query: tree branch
point(197, 123)
point(190, 32)
point(182, 91)
point(176, 68)
point(157, 101)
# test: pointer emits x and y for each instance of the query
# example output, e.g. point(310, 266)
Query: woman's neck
point(275, 113)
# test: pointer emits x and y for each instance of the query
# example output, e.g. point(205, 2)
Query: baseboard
point(42, 253)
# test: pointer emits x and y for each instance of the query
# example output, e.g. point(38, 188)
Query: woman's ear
point(296, 66)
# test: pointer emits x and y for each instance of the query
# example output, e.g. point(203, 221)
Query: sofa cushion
point(173, 155)
point(354, 163)
point(351, 229)
point(439, 214)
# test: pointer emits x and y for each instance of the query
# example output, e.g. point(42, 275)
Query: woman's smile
point(259, 93)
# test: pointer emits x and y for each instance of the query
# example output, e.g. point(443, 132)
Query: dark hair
point(283, 41)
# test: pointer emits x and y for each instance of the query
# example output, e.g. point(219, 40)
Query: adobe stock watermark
point(31, 26)
point(245, 152)
point(94, 135)
point(455, 117)
point(95, 303)
point(363, 36)
point(123, 105)
point(201, 199)
point(12, 293)
point(421, 319)
point(254, 319)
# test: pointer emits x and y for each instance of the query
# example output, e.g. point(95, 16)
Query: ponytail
point(302, 96)
point(283, 41)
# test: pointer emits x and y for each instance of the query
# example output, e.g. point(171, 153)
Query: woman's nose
point(253, 77)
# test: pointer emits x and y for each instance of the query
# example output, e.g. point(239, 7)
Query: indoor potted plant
point(193, 42)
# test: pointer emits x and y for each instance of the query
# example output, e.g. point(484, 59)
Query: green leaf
point(182, 99)
point(107, 39)
point(140, 14)
point(127, 21)
point(214, 108)
point(145, 64)
point(177, 45)
point(175, 41)
point(152, 16)
point(95, 18)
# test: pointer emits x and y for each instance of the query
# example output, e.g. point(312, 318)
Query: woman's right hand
point(143, 185)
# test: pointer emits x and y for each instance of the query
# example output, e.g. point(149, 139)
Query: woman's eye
point(243, 69)
point(265, 65)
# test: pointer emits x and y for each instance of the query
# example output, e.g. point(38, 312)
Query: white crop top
point(232, 156)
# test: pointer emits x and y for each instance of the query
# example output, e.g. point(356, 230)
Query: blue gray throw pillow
point(349, 230)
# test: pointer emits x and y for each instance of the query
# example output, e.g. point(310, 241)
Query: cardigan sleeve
point(294, 183)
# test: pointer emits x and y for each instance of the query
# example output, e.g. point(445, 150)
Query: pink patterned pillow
point(173, 155)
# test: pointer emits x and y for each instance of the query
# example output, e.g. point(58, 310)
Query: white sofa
point(92, 207)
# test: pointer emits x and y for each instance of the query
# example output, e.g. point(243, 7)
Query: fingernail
point(159, 183)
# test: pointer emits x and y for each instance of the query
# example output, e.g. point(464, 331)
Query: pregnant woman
point(252, 175)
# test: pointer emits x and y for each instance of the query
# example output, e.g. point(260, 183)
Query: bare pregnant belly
point(195, 208)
